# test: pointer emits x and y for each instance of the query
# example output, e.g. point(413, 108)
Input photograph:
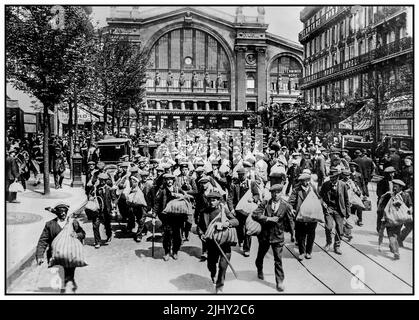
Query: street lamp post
point(77, 166)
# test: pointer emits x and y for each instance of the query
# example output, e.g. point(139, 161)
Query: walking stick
point(153, 222)
point(225, 257)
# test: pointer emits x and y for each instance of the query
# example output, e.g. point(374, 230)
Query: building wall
point(249, 48)
point(345, 47)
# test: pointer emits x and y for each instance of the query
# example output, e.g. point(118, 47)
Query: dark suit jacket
point(187, 184)
point(366, 166)
point(298, 196)
point(12, 170)
point(209, 214)
point(51, 230)
point(274, 232)
point(107, 195)
point(321, 166)
point(357, 178)
point(163, 196)
point(343, 206)
point(236, 192)
point(382, 187)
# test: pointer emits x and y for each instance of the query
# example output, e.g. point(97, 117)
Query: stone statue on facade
point(169, 79)
point(182, 78)
point(157, 79)
point(207, 80)
point(194, 79)
point(219, 81)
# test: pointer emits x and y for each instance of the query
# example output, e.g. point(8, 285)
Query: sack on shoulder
point(397, 215)
point(311, 209)
point(16, 187)
point(67, 251)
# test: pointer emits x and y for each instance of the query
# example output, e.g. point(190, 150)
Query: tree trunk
point(113, 118)
point(46, 149)
point(92, 126)
point(70, 136)
point(76, 117)
point(105, 118)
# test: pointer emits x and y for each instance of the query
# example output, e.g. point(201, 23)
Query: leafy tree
point(121, 68)
point(41, 53)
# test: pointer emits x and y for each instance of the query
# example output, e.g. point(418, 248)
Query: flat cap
point(103, 176)
point(137, 156)
point(389, 169)
point(91, 163)
point(276, 187)
point(200, 169)
point(204, 180)
point(215, 162)
point(241, 170)
point(184, 164)
point(166, 165)
point(168, 176)
point(61, 205)
point(214, 195)
point(334, 172)
point(392, 149)
point(399, 182)
point(144, 173)
point(247, 164)
point(295, 154)
point(154, 161)
point(100, 165)
point(346, 172)
point(304, 176)
point(133, 169)
point(357, 152)
point(354, 164)
point(308, 171)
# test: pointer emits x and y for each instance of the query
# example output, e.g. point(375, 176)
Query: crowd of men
point(280, 178)
point(293, 166)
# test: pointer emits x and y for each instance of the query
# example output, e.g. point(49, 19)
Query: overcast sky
point(283, 21)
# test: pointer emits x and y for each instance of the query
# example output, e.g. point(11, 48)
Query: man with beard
point(275, 217)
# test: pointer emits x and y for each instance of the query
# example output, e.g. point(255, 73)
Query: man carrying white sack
point(51, 230)
point(305, 229)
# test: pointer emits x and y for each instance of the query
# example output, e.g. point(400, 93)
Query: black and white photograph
point(208, 149)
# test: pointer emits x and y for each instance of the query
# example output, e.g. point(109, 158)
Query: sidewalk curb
point(26, 262)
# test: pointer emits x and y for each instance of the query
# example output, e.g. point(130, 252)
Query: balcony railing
point(320, 22)
point(378, 53)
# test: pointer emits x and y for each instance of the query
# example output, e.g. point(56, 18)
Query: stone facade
point(224, 61)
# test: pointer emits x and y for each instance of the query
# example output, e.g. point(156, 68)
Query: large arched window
point(285, 75)
point(188, 60)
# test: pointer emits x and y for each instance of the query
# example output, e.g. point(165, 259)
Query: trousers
point(393, 233)
point(277, 248)
point(241, 232)
point(337, 219)
point(408, 227)
point(357, 211)
point(58, 179)
point(172, 237)
point(214, 257)
point(96, 224)
point(140, 217)
point(305, 233)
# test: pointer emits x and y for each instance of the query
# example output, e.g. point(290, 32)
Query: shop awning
point(399, 107)
point(360, 120)
point(24, 101)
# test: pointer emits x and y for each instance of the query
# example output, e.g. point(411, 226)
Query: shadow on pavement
point(249, 276)
point(193, 282)
point(146, 253)
point(47, 290)
point(365, 232)
point(192, 251)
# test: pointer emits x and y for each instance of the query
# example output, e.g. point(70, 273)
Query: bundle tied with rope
point(220, 234)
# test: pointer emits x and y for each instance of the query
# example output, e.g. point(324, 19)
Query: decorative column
point(170, 105)
point(182, 105)
point(261, 75)
point(158, 107)
point(241, 78)
point(195, 105)
point(219, 106)
point(207, 106)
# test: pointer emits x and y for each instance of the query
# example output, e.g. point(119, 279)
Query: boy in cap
point(276, 218)
point(51, 230)
point(207, 215)
point(383, 186)
point(359, 182)
point(58, 168)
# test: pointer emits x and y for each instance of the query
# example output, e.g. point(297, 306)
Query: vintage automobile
point(353, 143)
point(112, 149)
